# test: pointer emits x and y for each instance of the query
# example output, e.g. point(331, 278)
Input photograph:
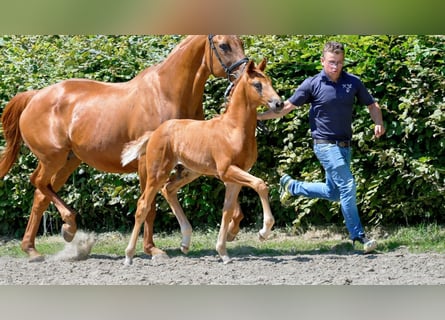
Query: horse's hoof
point(128, 261)
point(184, 249)
point(67, 236)
point(36, 258)
point(262, 237)
point(160, 257)
point(33, 255)
point(226, 259)
point(230, 237)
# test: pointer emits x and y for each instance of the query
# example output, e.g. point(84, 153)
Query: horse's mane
point(233, 86)
point(231, 89)
point(183, 43)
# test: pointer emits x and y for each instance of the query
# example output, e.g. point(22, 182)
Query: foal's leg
point(170, 193)
point(40, 204)
point(154, 169)
point(234, 226)
point(145, 204)
point(148, 242)
point(156, 174)
point(150, 247)
point(236, 175)
point(232, 191)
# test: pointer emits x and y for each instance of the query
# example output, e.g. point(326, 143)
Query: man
point(332, 94)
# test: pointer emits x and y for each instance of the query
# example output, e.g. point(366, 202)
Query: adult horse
point(81, 120)
point(224, 147)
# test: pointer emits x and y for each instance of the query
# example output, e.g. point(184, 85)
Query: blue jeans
point(339, 185)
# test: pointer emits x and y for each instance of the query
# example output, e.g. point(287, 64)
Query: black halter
point(227, 69)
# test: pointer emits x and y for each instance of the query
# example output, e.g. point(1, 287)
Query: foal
point(224, 147)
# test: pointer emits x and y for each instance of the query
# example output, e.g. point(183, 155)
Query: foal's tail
point(134, 149)
point(11, 130)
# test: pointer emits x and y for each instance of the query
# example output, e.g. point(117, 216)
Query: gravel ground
point(398, 267)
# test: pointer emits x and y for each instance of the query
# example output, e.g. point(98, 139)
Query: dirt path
point(351, 268)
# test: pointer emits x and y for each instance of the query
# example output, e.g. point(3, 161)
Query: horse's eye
point(258, 86)
point(224, 47)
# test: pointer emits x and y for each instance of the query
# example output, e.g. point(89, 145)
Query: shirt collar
point(325, 77)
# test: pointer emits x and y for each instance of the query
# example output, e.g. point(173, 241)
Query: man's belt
point(342, 144)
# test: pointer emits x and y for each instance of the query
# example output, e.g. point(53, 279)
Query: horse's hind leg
point(149, 246)
point(153, 173)
point(40, 204)
point(145, 204)
point(170, 193)
point(145, 212)
point(148, 243)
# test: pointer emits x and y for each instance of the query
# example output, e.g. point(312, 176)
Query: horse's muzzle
point(276, 105)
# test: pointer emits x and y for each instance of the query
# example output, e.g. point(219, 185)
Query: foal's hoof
point(128, 261)
point(230, 237)
point(184, 249)
point(226, 259)
point(262, 237)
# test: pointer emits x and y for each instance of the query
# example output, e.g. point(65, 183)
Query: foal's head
point(259, 88)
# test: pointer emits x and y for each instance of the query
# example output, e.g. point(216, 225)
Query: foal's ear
point(250, 66)
point(262, 64)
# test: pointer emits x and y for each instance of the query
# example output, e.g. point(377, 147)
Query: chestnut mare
point(224, 146)
point(81, 120)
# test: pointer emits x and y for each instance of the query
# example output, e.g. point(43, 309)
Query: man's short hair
point(333, 47)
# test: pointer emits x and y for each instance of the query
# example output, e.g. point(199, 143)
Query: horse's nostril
point(279, 105)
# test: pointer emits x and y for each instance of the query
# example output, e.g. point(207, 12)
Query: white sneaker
point(369, 245)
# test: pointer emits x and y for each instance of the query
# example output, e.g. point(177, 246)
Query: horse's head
point(261, 90)
point(225, 55)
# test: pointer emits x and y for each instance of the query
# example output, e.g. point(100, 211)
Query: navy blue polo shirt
point(330, 115)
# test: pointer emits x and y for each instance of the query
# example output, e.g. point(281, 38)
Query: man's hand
point(379, 130)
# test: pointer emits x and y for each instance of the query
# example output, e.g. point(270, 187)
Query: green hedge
point(401, 177)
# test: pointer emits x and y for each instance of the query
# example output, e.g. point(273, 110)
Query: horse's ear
point(262, 64)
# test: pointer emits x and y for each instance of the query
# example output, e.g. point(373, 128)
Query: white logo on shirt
point(347, 87)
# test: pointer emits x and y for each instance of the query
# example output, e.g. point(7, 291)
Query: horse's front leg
point(237, 175)
point(232, 191)
point(234, 226)
point(170, 193)
point(268, 220)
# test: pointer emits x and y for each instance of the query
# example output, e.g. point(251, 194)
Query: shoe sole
point(284, 194)
point(369, 246)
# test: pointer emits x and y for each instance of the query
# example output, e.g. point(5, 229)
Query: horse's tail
point(134, 149)
point(11, 130)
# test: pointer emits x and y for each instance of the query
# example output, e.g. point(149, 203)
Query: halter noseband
point(228, 70)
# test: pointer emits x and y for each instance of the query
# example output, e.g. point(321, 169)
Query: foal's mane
point(236, 82)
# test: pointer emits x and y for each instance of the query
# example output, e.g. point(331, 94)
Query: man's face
point(333, 64)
